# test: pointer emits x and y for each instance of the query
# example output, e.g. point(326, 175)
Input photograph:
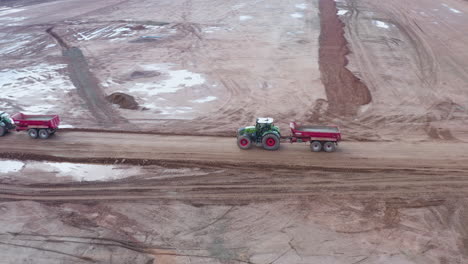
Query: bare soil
point(345, 92)
point(392, 74)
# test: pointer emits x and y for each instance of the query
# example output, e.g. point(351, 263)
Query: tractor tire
point(3, 131)
point(33, 133)
point(244, 142)
point(315, 146)
point(329, 146)
point(43, 134)
point(271, 142)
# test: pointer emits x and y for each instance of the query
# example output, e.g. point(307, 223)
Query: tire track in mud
point(86, 83)
point(345, 92)
point(177, 163)
point(241, 190)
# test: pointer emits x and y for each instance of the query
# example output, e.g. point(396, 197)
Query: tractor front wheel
point(32, 133)
point(3, 131)
point(271, 142)
point(244, 142)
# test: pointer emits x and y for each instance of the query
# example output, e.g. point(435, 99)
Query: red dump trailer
point(41, 126)
point(320, 137)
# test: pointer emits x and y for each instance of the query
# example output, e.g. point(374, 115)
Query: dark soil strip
point(345, 92)
point(86, 83)
point(171, 163)
point(60, 41)
point(231, 134)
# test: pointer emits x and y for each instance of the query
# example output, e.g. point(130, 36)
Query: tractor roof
point(264, 120)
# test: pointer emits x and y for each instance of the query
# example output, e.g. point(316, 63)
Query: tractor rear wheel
point(329, 146)
point(244, 142)
point(43, 134)
point(271, 142)
point(316, 146)
point(32, 133)
point(3, 131)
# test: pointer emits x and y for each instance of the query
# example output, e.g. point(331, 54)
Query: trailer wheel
point(315, 146)
point(244, 142)
point(271, 142)
point(3, 131)
point(32, 133)
point(43, 134)
point(329, 146)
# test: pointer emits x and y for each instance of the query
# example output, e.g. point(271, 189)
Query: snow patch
point(84, 172)
point(65, 126)
point(452, 9)
point(119, 31)
point(176, 80)
point(364, 108)
point(38, 86)
point(50, 46)
point(105, 32)
point(211, 29)
point(238, 6)
point(243, 18)
point(301, 6)
point(10, 166)
point(6, 11)
point(342, 12)
point(39, 109)
point(297, 15)
point(169, 110)
point(381, 24)
point(12, 19)
point(205, 99)
point(14, 47)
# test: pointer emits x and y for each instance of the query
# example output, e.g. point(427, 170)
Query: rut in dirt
point(345, 92)
point(86, 83)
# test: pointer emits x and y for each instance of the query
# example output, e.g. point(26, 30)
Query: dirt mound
point(123, 100)
point(144, 74)
point(138, 27)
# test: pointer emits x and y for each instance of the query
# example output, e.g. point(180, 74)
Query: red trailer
point(320, 137)
point(37, 125)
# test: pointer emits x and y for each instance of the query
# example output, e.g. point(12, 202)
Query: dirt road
point(202, 199)
point(356, 169)
point(110, 147)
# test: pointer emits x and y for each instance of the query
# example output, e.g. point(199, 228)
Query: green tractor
point(264, 132)
point(6, 123)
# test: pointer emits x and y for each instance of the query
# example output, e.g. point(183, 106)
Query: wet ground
point(171, 186)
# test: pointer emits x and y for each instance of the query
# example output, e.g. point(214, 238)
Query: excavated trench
point(345, 92)
point(86, 83)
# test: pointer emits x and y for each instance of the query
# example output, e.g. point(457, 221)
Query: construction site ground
point(150, 93)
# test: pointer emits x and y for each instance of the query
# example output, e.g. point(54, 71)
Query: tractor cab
point(262, 125)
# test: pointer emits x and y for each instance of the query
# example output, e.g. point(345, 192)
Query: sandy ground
point(205, 73)
point(413, 58)
point(392, 74)
point(206, 201)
